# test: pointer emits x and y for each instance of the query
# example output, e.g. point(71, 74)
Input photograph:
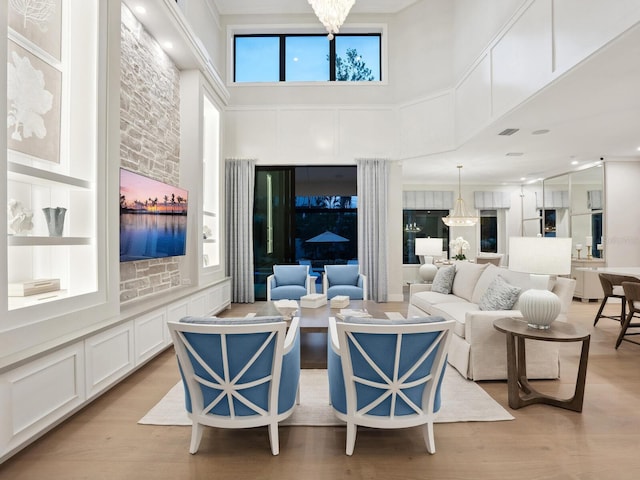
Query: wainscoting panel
point(109, 356)
point(39, 393)
point(149, 335)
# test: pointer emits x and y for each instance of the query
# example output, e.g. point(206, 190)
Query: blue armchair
point(387, 373)
point(238, 372)
point(344, 280)
point(288, 282)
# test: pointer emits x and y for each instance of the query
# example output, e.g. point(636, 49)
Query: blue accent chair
point(238, 372)
point(387, 373)
point(344, 280)
point(288, 282)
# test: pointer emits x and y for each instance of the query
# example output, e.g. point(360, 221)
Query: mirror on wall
point(554, 211)
point(587, 205)
point(530, 198)
point(573, 207)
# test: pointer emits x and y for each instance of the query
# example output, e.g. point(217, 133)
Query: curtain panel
point(373, 190)
point(239, 185)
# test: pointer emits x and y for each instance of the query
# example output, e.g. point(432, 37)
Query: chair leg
point(427, 433)
point(196, 437)
point(623, 313)
point(599, 314)
point(351, 437)
point(273, 438)
point(623, 329)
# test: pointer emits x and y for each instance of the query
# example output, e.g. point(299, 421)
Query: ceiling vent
point(508, 131)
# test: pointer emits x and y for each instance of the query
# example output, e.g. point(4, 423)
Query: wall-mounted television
point(153, 218)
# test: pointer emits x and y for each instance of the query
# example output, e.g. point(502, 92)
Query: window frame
point(306, 30)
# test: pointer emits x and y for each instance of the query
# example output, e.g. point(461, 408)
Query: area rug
point(462, 401)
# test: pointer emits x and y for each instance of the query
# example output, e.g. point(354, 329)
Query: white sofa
point(478, 350)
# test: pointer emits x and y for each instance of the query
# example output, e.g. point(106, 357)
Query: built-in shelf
point(36, 176)
point(38, 241)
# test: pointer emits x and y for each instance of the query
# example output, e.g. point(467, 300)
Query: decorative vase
point(55, 220)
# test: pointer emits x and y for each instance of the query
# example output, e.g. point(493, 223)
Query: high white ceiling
point(233, 7)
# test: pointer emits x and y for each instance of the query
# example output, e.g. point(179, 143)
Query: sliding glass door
point(273, 223)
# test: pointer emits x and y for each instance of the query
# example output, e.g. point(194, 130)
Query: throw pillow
point(443, 280)
point(499, 295)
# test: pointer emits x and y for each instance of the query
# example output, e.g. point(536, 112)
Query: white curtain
point(239, 183)
point(492, 200)
point(373, 186)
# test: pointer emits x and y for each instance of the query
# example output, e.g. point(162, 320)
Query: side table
point(521, 393)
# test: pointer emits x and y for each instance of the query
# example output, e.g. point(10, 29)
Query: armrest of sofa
point(564, 289)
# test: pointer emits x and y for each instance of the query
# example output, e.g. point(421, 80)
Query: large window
point(307, 58)
point(422, 224)
point(489, 231)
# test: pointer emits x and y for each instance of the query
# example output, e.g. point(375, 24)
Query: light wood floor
point(104, 440)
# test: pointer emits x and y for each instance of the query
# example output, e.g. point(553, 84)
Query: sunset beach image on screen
point(153, 218)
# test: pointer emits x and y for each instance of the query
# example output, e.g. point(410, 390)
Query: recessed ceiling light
point(140, 9)
point(522, 179)
point(638, 149)
point(514, 154)
point(167, 45)
point(540, 132)
point(575, 162)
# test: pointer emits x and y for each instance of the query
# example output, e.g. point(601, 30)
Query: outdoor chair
point(344, 280)
point(387, 373)
point(289, 282)
point(612, 288)
point(237, 372)
point(632, 294)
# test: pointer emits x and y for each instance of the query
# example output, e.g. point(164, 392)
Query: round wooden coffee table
point(521, 393)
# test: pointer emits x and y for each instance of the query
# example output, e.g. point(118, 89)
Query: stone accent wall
point(149, 139)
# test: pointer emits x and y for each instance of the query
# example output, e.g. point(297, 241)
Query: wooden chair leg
point(599, 314)
point(623, 330)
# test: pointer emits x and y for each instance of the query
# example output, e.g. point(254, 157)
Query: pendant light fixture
point(332, 13)
point(460, 216)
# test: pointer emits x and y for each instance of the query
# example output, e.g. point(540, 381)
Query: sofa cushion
point(466, 278)
point(290, 274)
point(443, 281)
point(425, 301)
point(499, 296)
point(456, 311)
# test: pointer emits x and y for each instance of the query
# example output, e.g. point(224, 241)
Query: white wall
point(475, 24)
point(420, 50)
point(622, 211)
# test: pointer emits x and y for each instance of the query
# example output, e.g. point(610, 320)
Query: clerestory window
point(307, 58)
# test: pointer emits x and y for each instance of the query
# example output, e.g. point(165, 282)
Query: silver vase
point(55, 220)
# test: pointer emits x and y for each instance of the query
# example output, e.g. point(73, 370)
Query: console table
point(521, 393)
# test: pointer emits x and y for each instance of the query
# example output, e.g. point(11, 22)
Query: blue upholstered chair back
point(345, 280)
point(288, 282)
point(387, 374)
point(237, 373)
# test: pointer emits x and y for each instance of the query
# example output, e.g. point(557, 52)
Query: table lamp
point(540, 257)
point(428, 247)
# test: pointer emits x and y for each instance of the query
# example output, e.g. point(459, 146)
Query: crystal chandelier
point(332, 13)
point(460, 216)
